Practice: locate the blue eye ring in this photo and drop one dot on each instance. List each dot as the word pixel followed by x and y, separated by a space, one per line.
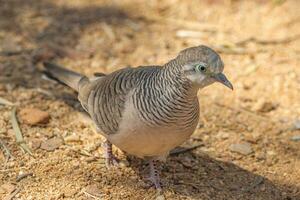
pixel 201 67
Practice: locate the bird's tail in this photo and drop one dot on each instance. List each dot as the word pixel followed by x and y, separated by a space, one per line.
pixel 63 75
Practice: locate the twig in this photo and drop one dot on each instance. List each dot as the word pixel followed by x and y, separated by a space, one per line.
pixel 109 31
pixel 6 102
pixel 7 151
pixel 186 23
pixel 216 187
pixel 268 42
pixel 90 195
pixel 292 22
pixel 257 182
pixel 251 69
pixel 285 60
pixel 45 92
pixel 180 150
pixel 19 137
pixel 199 186
pixel 7 170
pixel 14 53
pixel 188 34
pixel 241 109
pixel 194 185
pixel 82 152
pixel 235 50
pixel 22 176
pixel 248 112
pixel 12 195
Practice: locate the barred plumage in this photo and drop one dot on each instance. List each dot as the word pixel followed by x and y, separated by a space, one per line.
pixel 147 111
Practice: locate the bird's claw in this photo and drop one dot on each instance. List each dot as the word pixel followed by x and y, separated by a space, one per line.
pixel 153 182
pixel 111 161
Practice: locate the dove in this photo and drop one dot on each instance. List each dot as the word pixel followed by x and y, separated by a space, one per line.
pixel 146 111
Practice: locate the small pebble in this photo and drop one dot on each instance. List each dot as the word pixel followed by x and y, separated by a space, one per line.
pixel 223 135
pixel 264 106
pixel 296 125
pixel 35 144
pixel 3 130
pixel 242 148
pixel 261 156
pixel 23 175
pixel 51 144
pixel 295 138
pixel 124 163
pixel 252 137
pixel 91 159
pixel 271 153
pixel 7 188
pixel 33 116
pixel 93 190
pixel 72 138
pixel 160 197
pixel 69 192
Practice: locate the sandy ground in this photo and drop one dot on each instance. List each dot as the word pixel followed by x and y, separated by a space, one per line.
pixel 259 43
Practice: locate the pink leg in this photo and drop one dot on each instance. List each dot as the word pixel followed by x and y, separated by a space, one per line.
pixel 154 175
pixel 110 159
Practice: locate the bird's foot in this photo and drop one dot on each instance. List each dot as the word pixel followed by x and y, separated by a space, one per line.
pixel 154 175
pixel 153 183
pixel 110 159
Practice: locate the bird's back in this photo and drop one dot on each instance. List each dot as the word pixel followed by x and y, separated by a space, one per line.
pixel 104 98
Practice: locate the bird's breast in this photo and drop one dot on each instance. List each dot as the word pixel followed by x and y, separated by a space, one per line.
pixel 139 136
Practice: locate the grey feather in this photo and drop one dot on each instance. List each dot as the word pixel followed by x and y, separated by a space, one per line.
pixel 159 97
pixel 66 76
pixel 148 110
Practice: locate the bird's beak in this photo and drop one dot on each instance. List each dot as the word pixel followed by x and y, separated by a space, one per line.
pixel 221 78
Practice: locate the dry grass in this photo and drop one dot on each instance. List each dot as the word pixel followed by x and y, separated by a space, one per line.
pixel 259 43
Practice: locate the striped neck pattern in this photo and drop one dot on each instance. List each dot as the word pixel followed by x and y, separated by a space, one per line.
pixel 166 98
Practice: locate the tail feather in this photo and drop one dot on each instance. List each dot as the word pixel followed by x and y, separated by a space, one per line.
pixel 63 75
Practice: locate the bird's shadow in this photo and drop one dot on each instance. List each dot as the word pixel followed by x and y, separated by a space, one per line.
pixel 63 28
pixel 64 22
pixel 199 176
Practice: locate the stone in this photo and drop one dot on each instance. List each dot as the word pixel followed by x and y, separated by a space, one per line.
pixel 51 144
pixel 241 148
pixel 295 138
pixel 7 188
pixel 36 143
pixel 69 192
pixel 72 138
pixel 296 125
pixel 264 106
pixel 10 44
pixel 261 156
pixel 93 190
pixel 34 116
pixel 222 135
pixel 251 138
pixel 160 197
pixel 271 153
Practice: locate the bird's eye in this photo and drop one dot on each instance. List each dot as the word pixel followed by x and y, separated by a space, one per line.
pixel 201 67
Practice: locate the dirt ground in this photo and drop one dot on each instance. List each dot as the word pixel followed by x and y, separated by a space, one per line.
pixel 259 42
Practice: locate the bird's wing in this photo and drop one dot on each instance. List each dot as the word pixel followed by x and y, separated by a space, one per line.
pixel 104 98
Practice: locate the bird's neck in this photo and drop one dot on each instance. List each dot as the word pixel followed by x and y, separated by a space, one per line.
pixel 171 99
pixel 177 81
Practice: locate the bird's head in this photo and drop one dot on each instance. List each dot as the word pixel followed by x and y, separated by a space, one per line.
pixel 202 66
